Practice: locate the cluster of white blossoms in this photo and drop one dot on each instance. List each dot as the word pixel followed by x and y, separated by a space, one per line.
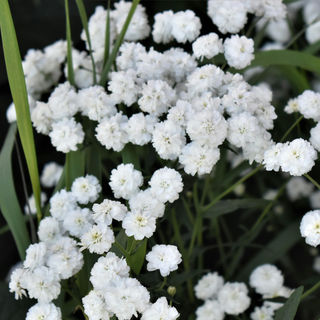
pixel 310 227
pixel 268 280
pixel 220 298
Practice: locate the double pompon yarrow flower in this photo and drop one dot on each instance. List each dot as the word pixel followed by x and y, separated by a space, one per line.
pixel 129 231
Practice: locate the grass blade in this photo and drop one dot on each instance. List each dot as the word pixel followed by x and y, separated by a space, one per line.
pixel 118 43
pixel 107 38
pixel 20 97
pixel 75 166
pixel 84 20
pixel 9 204
pixel 69 46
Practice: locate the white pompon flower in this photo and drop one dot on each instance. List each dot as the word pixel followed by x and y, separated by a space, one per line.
pixel 14 284
pixel 292 106
pixel 310 227
pixel 160 310
pixel 95 306
pixel 185 26
pixel 139 224
pixel 238 51
pixel 315 137
pixel 44 311
pixel 271 157
pixel 207 46
pixel 51 174
pixel 309 105
pixel 35 256
pixel 210 310
pixel 166 184
pixel 297 157
pixel 262 313
pixel 86 189
pixel 266 279
pixel 66 134
pixel 78 222
pixel 209 286
pixel 162 28
pixel 233 298
pixel 49 229
pixel 108 210
pixel 125 181
pixel 126 298
pixel 98 239
pixel 164 258
pixel 61 203
pixel 107 269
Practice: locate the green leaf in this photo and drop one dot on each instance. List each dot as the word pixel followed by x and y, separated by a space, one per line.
pixel 135 261
pixel 9 203
pixel 69 46
pixel 227 206
pixel 107 37
pixel 312 49
pixel 297 80
pixel 20 98
pixel 93 161
pixel 289 309
pixel 129 155
pixel 278 247
pixel 84 20
pixel 121 238
pixel 184 277
pixel 118 43
pixel 75 166
pixel 287 57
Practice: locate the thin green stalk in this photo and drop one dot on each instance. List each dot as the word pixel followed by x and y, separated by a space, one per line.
pixel 77 300
pixel 312 180
pixel 69 46
pixel 84 21
pixel 252 26
pixel 107 38
pixel 220 244
pixel 205 190
pixel 314 288
pixel 185 258
pixel 163 284
pixel 117 45
pixel 291 128
pixel 33 229
pixel 247 176
pixel 186 206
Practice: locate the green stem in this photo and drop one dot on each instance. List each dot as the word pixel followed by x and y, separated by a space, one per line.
pixel 313 181
pixel 205 190
pixel 163 284
pixel 314 288
pixel 220 244
pixel 183 253
pixel 119 246
pixel 291 128
pixel 253 25
pixel 186 206
pixel 77 300
pixel 69 46
pixel 247 176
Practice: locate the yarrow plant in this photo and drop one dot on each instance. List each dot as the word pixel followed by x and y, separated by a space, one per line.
pixel 175 133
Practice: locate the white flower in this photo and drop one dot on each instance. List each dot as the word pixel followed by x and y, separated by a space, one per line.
pixel 111 132
pixel 14 284
pixel 210 310
pixel 162 28
pixel 207 46
pixel 35 256
pixel 185 26
pixel 144 201
pixel 292 106
pixel 160 310
pixel 228 16
pixel 130 54
pixel 126 297
pixel 266 279
pixel 310 227
pixel 125 181
pixel 44 311
pixel 49 229
pixel 312 33
pixel 238 51
pixel 233 298
pixel 164 258
pixel 95 306
pixel 209 286
pixel 166 184
pixel 197 159
pixel 298 157
pixel 299 187
pixel 107 269
pixel 42 284
pixel 98 239
pixel 262 313
pixel 32 203
pixel 66 134
pixel 61 203
pixel 271 157
pixel 86 189
pixel 309 105
pixel 108 210
pixel 315 199
pixel 314 139
pixel 139 224
pixel 51 174
pixel 168 139
pixel 78 222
